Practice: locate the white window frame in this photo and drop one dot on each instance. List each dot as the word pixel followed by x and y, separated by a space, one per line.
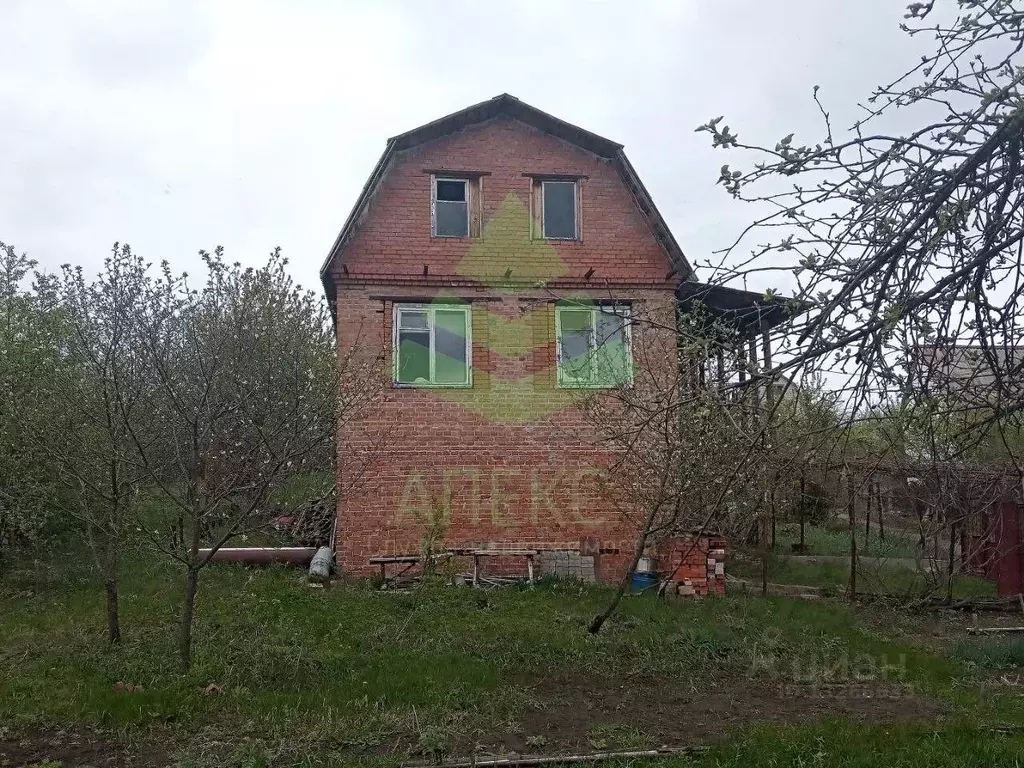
pixel 430 309
pixel 621 310
pixel 575 208
pixel 434 201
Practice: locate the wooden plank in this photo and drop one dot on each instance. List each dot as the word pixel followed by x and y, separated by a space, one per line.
pixel 504 552
pixel 993 630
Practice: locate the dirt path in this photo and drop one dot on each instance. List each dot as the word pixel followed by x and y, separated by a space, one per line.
pixel 572 709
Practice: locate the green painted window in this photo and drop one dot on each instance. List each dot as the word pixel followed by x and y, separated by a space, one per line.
pixel 594 345
pixel 432 344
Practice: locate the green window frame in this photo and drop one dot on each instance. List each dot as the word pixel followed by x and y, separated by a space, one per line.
pixel 594 345
pixel 433 345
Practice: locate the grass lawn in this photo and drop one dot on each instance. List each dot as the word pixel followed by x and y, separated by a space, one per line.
pixel 834 539
pixel 835 577
pixel 352 675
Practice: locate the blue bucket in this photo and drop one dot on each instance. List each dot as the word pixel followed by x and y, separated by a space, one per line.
pixel 640 581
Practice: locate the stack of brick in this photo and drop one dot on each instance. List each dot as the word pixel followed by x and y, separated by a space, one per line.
pixel 693 565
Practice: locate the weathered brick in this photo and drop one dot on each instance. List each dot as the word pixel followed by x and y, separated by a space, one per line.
pixel 511 460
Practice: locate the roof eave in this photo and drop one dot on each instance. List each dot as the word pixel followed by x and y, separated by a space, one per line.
pixel 650 211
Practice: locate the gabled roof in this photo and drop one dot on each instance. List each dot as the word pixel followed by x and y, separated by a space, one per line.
pixel 510 106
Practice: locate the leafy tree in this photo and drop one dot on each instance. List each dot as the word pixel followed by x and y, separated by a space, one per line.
pixel 29 341
pixel 95 399
pixel 243 390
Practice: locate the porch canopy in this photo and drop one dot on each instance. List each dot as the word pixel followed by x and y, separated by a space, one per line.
pixel 748 312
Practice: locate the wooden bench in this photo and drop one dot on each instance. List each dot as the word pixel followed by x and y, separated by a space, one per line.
pixel 529 554
pixel 409 561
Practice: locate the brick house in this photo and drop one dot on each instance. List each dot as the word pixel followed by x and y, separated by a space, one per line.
pixel 495 258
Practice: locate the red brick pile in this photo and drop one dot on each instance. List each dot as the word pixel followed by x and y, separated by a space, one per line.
pixel 694 566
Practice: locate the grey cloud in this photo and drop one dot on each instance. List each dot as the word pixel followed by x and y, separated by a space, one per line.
pixel 251 124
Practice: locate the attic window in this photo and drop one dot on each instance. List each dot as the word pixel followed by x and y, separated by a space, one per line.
pixel 451 207
pixel 559 210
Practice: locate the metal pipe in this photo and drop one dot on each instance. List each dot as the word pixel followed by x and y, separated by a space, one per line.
pixel 261 555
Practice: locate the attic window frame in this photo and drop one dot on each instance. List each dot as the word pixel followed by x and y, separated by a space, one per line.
pixel 468 186
pixel 537 184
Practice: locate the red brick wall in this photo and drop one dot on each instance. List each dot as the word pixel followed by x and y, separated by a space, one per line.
pixel 394 238
pixel 509 462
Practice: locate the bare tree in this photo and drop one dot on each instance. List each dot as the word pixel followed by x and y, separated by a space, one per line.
pixel 688 443
pixel 906 240
pixel 906 231
pixel 245 395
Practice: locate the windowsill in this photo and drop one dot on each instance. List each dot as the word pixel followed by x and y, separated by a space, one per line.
pixel 402 385
pixel 452 237
pixel 572 385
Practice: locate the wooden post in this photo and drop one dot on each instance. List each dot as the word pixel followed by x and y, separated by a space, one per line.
pixel 769 398
pixel 754 423
pixel 952 564
pixel 851 510
pixel 867 512
pixel 881 515
pixel 803 511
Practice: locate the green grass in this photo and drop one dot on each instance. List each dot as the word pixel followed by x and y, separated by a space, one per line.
pixel 992 652
pixel 352 671
pixel 835 577
pixel 835 540
pixel 844 745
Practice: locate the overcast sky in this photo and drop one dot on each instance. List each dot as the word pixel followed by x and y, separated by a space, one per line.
pixel 182 125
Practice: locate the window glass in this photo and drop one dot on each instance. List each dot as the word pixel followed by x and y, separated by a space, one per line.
pixel 451 190
pixel 612 353
pixel 559 217
pixel 451 208
pixel 432 345
pixel 414 357
pixel 576 327
pixel 594 346
pixel 413 319
pixel 450 346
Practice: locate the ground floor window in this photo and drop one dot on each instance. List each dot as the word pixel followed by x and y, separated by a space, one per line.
pixel 594 345
pixel 432 345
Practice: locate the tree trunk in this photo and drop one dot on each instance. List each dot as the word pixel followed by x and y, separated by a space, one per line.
pixel 113 612
pixel 187 613
pixel 638 551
